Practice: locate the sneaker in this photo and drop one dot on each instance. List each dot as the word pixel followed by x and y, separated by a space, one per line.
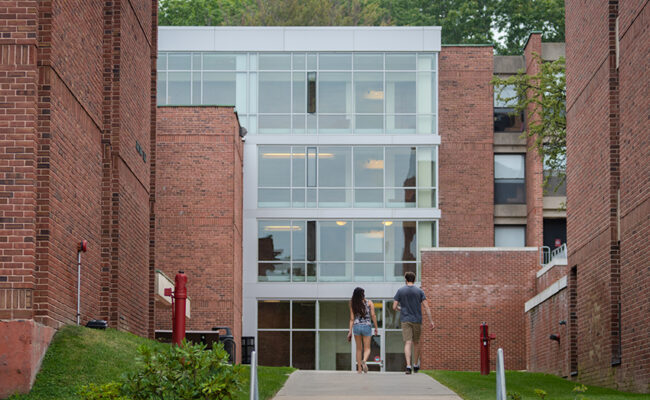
pixel 416 368
pixel 408 370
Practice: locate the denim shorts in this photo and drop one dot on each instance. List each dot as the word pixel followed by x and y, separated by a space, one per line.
pixel 362 330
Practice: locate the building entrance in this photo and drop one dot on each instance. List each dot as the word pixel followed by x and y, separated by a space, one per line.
pixel 386 349
pixel 311 334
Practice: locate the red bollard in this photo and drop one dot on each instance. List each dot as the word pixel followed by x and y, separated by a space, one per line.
pixel 178 314
pixel 485 349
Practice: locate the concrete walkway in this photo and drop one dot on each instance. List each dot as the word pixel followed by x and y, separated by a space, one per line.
pixel 330 385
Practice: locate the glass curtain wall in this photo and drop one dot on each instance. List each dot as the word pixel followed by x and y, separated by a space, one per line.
pixel 309 334
pixel 341 251
pixel 308 93
pixel 345 177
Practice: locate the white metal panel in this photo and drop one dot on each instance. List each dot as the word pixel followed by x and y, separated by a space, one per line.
pixel 238 38
pixel 364 140
pixel 185 38
pixel 345 213
pixel 319 39
pixel 256 38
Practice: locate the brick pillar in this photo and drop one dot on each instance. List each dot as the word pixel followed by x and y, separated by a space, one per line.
pixel 534 163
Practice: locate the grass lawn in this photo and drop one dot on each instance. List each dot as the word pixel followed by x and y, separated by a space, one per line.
pixel 473 386
pixel 78 356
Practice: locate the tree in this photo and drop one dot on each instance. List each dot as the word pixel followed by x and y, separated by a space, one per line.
pixel 203 12
pixel 517 18
pixel 462 21
pixel 543 97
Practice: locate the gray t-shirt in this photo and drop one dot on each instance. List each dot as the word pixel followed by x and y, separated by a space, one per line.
pixel 410 299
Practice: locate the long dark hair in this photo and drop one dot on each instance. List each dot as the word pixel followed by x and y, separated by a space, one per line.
pixel 357 302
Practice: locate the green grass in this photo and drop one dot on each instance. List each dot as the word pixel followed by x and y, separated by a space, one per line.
pixel 271 380
pixel 473 386
pixel 78 356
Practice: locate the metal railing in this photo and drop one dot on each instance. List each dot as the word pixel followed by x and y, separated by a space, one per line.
pixel 560 252
pixel 546 255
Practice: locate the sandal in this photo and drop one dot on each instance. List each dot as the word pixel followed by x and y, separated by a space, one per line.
pixel 365 367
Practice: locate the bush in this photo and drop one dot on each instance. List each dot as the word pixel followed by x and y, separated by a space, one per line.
pixel 181 372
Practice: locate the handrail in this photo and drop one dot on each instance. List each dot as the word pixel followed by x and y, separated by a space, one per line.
pixel 544 255
pixel 559 252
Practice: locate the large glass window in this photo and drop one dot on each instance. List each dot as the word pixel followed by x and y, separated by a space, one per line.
pixel 509 179
pixel 314 337
pixel 308 93
pixel 341 251
pixel 343 177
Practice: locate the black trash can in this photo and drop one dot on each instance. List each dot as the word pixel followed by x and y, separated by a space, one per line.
pixel 228 342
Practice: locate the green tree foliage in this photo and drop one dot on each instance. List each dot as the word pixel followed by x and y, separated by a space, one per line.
pixel 543 98
pixel 462 21
pixel 517 18
pixel 316 13
pixel 203 12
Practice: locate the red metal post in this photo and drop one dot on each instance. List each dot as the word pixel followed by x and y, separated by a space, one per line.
pixel 180 295
pixel 485 349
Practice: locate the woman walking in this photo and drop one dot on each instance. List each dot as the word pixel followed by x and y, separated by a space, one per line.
pixel 361 311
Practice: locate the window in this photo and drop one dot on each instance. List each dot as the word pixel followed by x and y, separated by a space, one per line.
pixel 308 93
pixel 509 179
pixel 505 119
pixel 344 177
pixel 341 251
pixel 510 236
pixel 312 334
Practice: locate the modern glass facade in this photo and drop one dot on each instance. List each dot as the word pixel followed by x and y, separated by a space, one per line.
pixel 340 173
pixel 310 334
pixel 308 93
pixel 341 251
pixel 347 176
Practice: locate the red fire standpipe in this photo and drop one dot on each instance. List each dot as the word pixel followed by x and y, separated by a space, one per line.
pixel 180 295
pixel 81 248
pixel 485 349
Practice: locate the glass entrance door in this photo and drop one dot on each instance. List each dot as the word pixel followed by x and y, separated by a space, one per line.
pixel 386 349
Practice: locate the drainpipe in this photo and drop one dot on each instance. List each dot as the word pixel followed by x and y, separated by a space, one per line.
pixel 81 248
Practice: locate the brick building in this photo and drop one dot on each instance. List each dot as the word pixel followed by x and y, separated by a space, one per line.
pixel 608 198
pixel 356 159
pixel 77 124
pixel 199 213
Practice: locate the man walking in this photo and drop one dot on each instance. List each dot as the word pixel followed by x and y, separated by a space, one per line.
pixel 409 299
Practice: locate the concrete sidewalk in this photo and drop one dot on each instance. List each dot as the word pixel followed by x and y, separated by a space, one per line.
pixel 330 385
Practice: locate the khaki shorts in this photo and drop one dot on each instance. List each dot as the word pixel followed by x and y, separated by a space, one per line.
pixel 411 331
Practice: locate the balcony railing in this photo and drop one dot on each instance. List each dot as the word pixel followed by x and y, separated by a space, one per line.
pixel 546 255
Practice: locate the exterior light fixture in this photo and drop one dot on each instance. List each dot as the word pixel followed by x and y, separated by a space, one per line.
pixel 387 223
pixel 341 223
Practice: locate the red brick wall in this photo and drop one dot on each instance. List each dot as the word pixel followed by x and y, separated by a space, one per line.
pixel 534 169
pixel 466 287
pixel 634 36
pixel 546 355
pixel 18 147
pixel 466 131
pixel 607 152
pixel 199 212
pixel 74 101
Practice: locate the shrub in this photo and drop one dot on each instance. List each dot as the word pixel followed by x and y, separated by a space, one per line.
pixel 183 372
